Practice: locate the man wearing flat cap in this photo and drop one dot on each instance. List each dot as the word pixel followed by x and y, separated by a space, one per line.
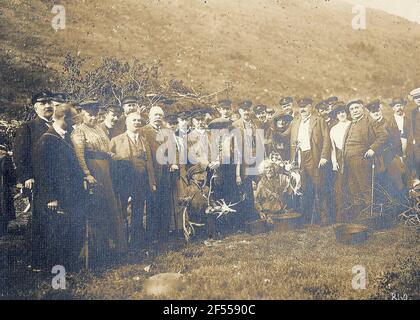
pixel 27 137
pixel 262 122
pixel 310 142
pixel 58 98
pixel 404 124
pixel 129 104
pixel 363 140
pixel 324 108
pixel 111 119
pixel 390 166
pixel 415 123
pixel 224 107
pixel 249 152
pixel 286 105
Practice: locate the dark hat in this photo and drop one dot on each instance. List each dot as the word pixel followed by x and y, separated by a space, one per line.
pixel 42 96
pixel 397 101
pixel 246 104
pixel 353 101
pixel 285 100
pixel 338 106
pixel 90 105
pixel 167 101
pixel 282 116
pixel 130 99
pixel 171 118
pixel 114 108
pixel 225 103
pixel 59 97
pixel 322 105
pixel 304 102
pixel 198 114
pixel 373 106
pixel 331 100
pixel 261 108
pixel 220 123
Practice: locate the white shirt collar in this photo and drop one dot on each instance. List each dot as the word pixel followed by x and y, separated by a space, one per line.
pixel 59 130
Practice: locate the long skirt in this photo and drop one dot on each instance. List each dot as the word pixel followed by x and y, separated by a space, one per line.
pixel 106 224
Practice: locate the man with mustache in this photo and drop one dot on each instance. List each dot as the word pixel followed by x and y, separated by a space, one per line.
pixel 27 169
pixel 128 104
pixel 363 140
pixel 404 124
pixel 62 199
pixel 310 141
pixel 161 203
pixel 415 135
pixel 249 152
pixel 135 176
pixel 390 171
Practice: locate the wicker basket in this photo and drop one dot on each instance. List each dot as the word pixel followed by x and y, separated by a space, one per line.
pixel 351 233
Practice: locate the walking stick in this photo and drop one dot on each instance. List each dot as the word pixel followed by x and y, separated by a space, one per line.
pixel 87 245
pixel 372 187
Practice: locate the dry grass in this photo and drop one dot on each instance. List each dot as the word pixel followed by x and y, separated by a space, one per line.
pixel 303 264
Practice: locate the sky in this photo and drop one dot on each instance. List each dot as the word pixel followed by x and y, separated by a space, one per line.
pixel 408 9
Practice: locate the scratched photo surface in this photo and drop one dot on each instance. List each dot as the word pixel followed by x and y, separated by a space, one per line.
pixel 192 149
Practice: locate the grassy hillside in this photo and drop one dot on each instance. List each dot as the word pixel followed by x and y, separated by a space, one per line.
pixel 265 48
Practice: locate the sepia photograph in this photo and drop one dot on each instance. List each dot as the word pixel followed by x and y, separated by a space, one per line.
pixel 228 151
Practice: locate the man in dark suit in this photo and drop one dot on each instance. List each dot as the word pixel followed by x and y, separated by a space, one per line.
pixel 27 169
pixel 309 139
pixel 61 197
pixel 161 203
pixel 129 104
pixel 112 115
pixel 363 141
pixel 390 170
pixel 415 135
pixel 134 174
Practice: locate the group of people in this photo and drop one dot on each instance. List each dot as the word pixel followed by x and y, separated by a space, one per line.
pixel 107 180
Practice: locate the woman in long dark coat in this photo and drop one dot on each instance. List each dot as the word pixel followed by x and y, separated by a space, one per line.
pixel 107 233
